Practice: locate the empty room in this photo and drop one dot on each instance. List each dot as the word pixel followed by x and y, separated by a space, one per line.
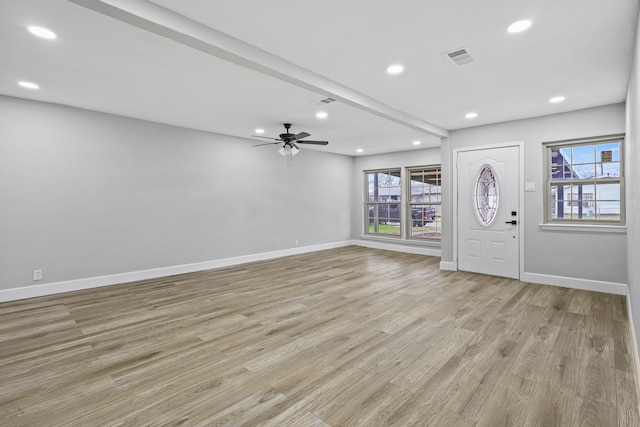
pixel 281 213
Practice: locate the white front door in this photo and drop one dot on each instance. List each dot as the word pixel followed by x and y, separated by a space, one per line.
pixel 488 215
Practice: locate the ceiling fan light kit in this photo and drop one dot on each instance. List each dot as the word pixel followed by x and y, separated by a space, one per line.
pixel 288 150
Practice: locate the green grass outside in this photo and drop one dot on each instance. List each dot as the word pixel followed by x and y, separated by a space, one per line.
pixel 385 229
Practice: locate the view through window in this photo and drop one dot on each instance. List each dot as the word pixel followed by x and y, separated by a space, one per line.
pixel 426 202
pixel 585 181
pixel 386 212
pixel 384 195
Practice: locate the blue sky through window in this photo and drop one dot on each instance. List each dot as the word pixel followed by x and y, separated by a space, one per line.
pixel 586 160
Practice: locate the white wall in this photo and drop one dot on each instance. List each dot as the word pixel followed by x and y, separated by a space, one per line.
pixel 85 194
pixel 632 163
pixel 596 257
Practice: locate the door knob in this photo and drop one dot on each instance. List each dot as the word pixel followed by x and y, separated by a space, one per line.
pixel 514 222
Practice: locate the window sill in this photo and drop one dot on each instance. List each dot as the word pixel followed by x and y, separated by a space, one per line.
pixel 399 240
pixel 585 228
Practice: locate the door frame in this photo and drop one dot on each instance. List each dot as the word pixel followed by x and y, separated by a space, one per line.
pixel 521 212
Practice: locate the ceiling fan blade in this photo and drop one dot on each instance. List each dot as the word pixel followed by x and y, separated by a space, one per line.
pixel 302 135
pixel 294 144
pixel 313 142
pixel 266 143
pixel 266 137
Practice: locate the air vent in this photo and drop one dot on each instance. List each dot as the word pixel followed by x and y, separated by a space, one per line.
pixel 323 101
pixel 459 56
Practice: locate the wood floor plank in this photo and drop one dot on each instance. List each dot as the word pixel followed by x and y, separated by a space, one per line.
pixel 551 406
pixel 347 336
pixel 597 379
pixel 626 398
pixel 509 404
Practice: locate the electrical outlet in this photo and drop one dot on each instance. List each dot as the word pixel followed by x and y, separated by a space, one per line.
pixel 37 274
pixel 296 242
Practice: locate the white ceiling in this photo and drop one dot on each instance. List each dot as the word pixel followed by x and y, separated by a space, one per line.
pixel 132 58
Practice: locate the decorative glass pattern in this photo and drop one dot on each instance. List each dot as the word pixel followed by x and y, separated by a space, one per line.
pixel 486 196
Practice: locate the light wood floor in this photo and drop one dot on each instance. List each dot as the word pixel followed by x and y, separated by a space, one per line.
pixel 339 337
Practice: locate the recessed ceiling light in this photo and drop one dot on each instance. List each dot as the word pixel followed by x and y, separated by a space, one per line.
pixel 42 32
pixel 471 115
pixel 557 99
pixel 519 26
pixel 28 85
pixel 259 130
pixel 359 150
pixel 395 69
pixel 416 143
pixel 321 115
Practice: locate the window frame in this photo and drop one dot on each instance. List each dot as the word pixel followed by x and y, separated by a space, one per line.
pixel 399 202
pixel 410 204
pixel 550 182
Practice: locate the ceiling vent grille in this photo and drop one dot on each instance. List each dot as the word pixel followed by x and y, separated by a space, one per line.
pixel 324 101
pixel 459 56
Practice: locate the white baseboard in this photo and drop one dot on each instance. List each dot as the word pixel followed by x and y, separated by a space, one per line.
pixel 634 345
pixel 409 249
pixel 575 283
pixel 448 265
pixel 114 279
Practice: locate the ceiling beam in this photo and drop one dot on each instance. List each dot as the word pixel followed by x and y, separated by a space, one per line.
pixel 169 24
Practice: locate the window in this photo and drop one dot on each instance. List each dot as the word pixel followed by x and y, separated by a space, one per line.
pixel 384 197
pixel 487 196
pixel 404 203
pixel 585 181
pixel 425 203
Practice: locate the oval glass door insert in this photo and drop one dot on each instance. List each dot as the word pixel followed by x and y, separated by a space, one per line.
pixel 486 196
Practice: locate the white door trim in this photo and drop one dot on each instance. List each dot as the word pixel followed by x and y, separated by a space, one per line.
pixel 521 211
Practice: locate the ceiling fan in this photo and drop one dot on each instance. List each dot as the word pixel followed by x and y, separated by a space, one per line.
pixel 289 141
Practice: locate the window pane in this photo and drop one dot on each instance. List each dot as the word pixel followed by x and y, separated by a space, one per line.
pixel 384 194
pixel 394 213
pixel 417 177
pixel 383 187
pixel 486 195
pixel 560 165
pixel 570 211
pixel 560 160
pixel 425 186
pixel 608 192
pixel 612 147
pixel 560 156
pixel 383 179
pixel 583 154
pixel 426 221
pixel 553 197
pixel 394 193
pixel 587 195
pixel 383 219
pixel 561 201
pixel 383 212
pixel 608 211
pixel 436 196
pixel 584 171
pixel 608 170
